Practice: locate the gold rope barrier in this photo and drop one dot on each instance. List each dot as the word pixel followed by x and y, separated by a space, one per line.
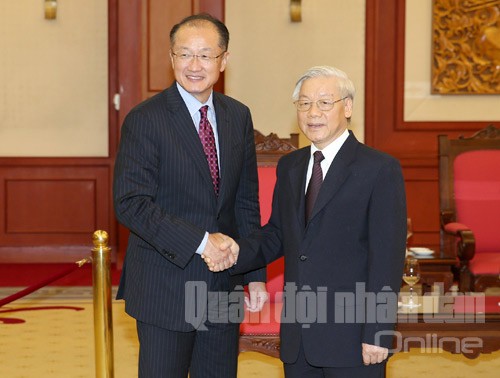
pixel 103 319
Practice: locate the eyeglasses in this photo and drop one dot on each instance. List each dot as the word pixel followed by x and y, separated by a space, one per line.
pixel 206 59
pixel 323 105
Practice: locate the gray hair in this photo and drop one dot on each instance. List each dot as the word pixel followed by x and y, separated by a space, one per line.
pixel 345 85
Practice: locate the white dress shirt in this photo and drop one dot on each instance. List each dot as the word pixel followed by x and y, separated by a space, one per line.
pixel 329 152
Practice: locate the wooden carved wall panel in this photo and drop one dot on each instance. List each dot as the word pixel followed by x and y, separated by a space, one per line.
pixel 466 47
pixel 49 206
pixel 50 211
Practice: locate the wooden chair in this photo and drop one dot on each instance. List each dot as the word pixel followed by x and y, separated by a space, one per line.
pixel 259 332
pixel 469 187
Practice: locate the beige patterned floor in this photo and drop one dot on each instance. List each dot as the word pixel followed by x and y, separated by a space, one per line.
pixel 59 344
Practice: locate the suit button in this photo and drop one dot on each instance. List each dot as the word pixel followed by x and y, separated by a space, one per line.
pixel 302 257
pixel 171 255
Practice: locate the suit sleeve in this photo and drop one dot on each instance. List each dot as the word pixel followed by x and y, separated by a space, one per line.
pixel 135 185
pixel 264 245
pixel 247 208
pixel 387 244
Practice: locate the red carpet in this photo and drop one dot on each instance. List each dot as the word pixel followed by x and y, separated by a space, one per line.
pixel 31 274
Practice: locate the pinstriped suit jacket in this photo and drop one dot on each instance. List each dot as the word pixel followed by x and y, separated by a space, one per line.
pixel 163 194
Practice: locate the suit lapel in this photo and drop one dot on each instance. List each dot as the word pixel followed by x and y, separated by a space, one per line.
pixel 297 175
pixel 225 138
pixel 183 125
pixel 337 174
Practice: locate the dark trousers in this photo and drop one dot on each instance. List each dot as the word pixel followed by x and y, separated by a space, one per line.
pixel 204 354
pixel 302 369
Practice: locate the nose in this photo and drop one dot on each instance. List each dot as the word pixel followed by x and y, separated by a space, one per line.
pixel 314 110
pixel 195 63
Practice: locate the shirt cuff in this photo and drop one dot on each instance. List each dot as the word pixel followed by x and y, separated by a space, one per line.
pixel 202 245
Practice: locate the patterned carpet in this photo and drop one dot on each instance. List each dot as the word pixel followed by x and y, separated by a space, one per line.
pixel 59 343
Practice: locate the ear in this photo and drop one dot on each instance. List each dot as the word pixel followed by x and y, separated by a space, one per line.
pixel 171 58
pixel 223 61
pixel 348 107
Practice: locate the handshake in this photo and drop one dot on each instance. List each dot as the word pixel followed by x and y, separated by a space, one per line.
pixel 220 253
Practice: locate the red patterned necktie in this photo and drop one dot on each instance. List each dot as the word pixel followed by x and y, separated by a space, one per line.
pixel 208 141
pixel 314 184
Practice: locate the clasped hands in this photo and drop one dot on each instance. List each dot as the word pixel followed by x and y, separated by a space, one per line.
pixel 220 253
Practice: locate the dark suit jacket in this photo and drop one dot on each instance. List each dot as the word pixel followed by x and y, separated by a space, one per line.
pixel 357 234
pixel 163 193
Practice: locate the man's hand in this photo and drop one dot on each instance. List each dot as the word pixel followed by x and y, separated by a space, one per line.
pixel 221 252
pixel 373 354
pixel 258 296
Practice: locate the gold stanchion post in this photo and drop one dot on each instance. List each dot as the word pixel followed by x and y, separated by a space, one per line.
pixel 103 319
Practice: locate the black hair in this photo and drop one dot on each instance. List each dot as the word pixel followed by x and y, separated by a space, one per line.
pixel 197 19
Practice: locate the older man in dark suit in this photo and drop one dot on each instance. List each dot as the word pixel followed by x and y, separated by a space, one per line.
pixel 185 175
pixel 339 219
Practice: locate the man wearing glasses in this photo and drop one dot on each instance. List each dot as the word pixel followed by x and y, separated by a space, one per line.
pixel 339 219
pixel 185 177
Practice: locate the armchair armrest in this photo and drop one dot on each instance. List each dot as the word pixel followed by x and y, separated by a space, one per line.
pixel 446 216
pixel 466 243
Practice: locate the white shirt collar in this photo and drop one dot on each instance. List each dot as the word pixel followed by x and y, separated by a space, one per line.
pixel 330 151
pixel 192 102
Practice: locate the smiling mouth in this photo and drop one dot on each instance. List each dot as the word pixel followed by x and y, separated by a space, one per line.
pixel 195 77
pixel 314 125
